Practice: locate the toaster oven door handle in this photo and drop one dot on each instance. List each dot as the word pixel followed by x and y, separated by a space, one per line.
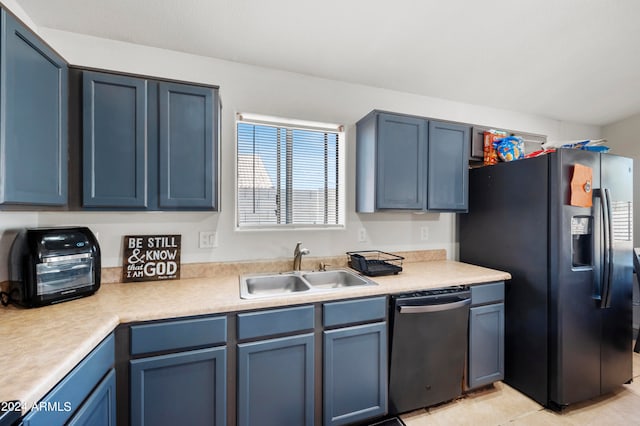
pixel 66 258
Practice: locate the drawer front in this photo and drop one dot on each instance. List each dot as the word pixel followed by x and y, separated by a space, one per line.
pixel 69 394
pixel 487 293
pixel 180 334
pixel 354 311
pixel 275 321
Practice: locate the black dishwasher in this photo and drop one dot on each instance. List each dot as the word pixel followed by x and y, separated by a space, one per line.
pixel 428 343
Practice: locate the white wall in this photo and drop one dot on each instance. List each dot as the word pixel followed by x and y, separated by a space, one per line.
pixel 624 139
pixel 246 88
pixel 17 10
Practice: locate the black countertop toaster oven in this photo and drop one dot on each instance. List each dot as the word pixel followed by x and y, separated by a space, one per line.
pixel 50 265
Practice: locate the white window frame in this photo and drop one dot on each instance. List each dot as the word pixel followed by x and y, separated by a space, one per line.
pixel 259 119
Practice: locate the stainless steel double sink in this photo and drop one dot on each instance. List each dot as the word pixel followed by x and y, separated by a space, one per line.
pixel 275 285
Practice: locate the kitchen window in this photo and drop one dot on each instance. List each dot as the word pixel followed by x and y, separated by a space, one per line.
pixel 622 220
pixel 290 173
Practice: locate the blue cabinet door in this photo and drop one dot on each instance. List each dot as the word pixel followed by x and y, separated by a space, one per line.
pixel 68 395
pixel 188 147
pixel 486 345
pixel 33 104
pixel 355 373
pixel 275 382
pixel 149 145
pixel 401 162
pixel 100 408
pixel 448 167
pixel 187 388
pixel 114 141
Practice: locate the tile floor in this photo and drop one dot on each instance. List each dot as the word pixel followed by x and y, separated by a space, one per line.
pixel 501 405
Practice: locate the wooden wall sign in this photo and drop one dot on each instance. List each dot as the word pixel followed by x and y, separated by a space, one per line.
pixel 151 258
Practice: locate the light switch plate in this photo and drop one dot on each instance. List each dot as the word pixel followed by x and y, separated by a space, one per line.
pixel 208 239
pixel 424 233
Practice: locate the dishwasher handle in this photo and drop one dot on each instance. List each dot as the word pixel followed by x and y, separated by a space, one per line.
pixel 409 309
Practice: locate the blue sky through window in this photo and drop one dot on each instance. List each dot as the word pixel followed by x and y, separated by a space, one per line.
pixel 308 162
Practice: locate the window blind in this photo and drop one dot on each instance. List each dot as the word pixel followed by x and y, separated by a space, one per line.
pixel 287 175
pixel 622 220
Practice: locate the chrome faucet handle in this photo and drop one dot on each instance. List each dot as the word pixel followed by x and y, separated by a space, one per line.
pixel 299 250
pixel 323 266
pixel 297 256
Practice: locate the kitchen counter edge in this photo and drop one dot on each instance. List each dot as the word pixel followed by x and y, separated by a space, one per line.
pixel 68 332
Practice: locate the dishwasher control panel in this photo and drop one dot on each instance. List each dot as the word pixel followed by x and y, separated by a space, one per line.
pixel 460 290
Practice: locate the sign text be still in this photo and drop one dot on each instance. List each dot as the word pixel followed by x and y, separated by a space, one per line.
pixel 151 257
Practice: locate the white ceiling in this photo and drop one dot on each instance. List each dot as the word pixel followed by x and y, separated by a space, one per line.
pixel 574 60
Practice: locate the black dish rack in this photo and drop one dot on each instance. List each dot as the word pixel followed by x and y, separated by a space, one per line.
pixel 374 263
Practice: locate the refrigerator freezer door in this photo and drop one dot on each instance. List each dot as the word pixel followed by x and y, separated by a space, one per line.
pixel 574 314
pixel 617 316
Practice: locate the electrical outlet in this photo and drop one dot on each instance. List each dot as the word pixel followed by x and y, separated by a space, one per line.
pixel 362 235
pixel 424 233
pixel 208 239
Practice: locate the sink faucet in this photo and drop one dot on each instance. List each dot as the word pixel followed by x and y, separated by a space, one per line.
pixel 297 256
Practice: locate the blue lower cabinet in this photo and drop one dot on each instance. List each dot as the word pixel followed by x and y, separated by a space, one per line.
pixel 187 388
pixel 276 382
pixel 486 345
pixel 83 389
pixel 100 408
pixel 355 373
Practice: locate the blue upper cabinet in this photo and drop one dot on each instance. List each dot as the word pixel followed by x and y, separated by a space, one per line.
pixel 410 163
pixel 401 149
pixel 448 178
pixel 188 148
pixel 33 109
pixel 115 141
pixel 148 145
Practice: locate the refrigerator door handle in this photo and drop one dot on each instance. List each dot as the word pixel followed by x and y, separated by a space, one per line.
pixel 607 274
pixel 604 195
pixel 602 289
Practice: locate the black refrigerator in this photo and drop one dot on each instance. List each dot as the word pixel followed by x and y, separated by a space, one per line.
pixel 568 306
